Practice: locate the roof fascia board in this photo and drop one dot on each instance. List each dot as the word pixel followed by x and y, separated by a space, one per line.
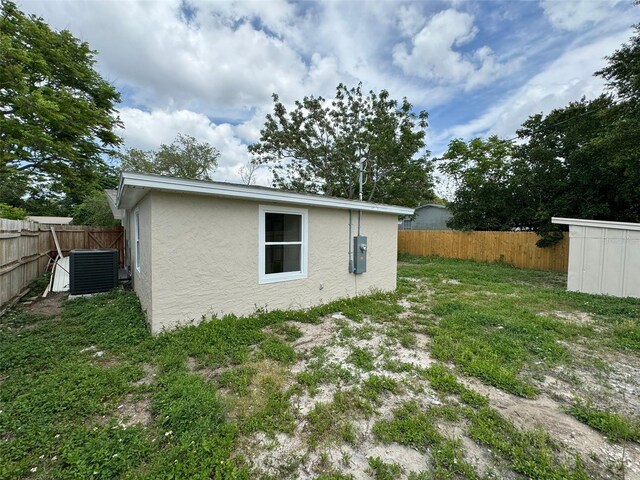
pixel 243 192
pixel 578 222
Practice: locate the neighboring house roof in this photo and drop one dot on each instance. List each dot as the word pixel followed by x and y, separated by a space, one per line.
pixel 50 220
pixel 437 205
pixel 133 186
pixel 112 196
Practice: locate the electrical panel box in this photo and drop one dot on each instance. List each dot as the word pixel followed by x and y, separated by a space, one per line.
pixel 359 254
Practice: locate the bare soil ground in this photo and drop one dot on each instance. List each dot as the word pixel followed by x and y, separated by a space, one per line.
pixel 295 456
pixel 49 306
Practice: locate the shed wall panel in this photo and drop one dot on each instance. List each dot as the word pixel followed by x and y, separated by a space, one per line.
pixel 576 258
pixel 632 265
pixel 604 261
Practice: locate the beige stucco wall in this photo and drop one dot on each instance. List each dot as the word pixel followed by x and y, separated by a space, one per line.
pixel 142 278
pixel 205 259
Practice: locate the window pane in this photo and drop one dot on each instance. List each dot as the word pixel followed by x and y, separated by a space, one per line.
pixel 282 258
pixel 281 227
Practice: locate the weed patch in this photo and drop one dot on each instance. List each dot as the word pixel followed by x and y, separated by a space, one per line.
pixel 616 427
pixel 383 471
pixel 531 453
pixel 276 349
pixel 416 428
pixel 361 358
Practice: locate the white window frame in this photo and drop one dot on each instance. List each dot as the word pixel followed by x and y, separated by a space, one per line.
pixel 283 276
pixel 136 234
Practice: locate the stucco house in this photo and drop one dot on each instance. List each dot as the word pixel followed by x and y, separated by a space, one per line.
pixel 431 216
pixel 198 248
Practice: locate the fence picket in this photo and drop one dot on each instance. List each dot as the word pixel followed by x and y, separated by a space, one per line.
pixel 515 248
pixel 25 249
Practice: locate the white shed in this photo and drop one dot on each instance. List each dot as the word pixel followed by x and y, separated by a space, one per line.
pixel 604 257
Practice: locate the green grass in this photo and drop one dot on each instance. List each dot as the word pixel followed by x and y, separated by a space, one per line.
pixel 361 358
pixel 497 320
pixel 416 428
pixel 444 381
pixel 331 421
pixel 59 403
pixel 320 371
pixel 531 453
pixel 614 426
pixel 383 471
pixel 277 349
pixel 289 332
pixel 238 380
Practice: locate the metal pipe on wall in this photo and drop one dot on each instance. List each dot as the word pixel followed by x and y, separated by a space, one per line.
pixel 350 240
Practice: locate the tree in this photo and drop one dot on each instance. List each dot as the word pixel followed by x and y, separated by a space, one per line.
pixel 247 173
pixel 622 132
pixel 57 114
pixel 623 71
pixel 561 167
pixel 94 211
pixel 184 158
pixel 319 147
pixel 580 161
pixel 482 171
pixel 12 213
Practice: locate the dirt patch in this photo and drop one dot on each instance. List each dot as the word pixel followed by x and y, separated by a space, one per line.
pixel 579 318
pixel 134 411
pixel 315 334
pixel 407 458
pixel 49 306
pixel 610 380
pixel 149 376
pixel 406 304
pixel 290 456
pixel 544 412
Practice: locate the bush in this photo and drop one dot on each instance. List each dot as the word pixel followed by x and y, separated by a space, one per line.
pixel 12 213
pixel 95 212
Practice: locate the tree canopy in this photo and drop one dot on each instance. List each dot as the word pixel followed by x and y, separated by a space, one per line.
pixel 94 211
pixel 57 114
pixel 319 146
pixel 582 160
pixel 185 157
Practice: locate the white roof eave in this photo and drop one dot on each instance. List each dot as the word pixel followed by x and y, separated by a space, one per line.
pixel 135 181
pixel 579 222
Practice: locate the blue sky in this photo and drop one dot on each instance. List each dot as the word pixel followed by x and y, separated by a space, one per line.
pixel 209 68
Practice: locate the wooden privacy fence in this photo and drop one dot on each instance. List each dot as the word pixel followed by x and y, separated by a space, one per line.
pixel 26 247
pixel 515 248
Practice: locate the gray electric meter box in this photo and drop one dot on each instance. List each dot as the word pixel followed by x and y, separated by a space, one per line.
pixel 359 254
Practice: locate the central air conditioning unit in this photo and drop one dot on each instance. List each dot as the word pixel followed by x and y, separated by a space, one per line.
pixel 93 271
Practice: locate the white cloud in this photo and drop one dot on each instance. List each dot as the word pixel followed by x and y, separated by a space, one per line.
pixel 211 73
pixel 148 130
pixel 568 78
pixel 410 19
pixel 433 54
pixel 574 14
pixel 217 63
